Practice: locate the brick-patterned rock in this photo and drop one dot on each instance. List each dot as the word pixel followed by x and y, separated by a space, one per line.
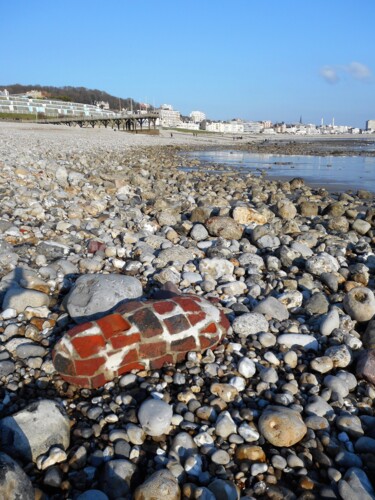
pixel 137 336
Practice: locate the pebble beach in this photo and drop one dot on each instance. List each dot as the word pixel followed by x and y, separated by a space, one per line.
pixel 281 408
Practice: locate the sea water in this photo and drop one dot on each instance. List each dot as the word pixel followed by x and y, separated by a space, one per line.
pixel 331 172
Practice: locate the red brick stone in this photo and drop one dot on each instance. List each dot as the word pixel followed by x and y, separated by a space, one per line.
pixel 98 380
pixel 147 323
pixel 211 328
pixel 196 318
pixel 126 368
pixel 79 328
pixel 205 342
pixel 112 324
pixel 120 341
pixel 89 345
pixel 224 322
pixel 157 363
pixel 184 345
pixel 164 307
pixel 129 307
pixel 152 349
pixel 176 324
pixel 130 357
pixel 188 304
pixel 180 356
pixel 88 366
pixel 79 381
pixel 63 364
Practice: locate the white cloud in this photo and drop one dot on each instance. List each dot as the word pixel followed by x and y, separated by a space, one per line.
pixel 329 73
pixel 358 71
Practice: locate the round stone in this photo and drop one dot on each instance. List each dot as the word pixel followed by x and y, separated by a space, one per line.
pixel 359 303
pixel 161 484
pixel 246 367
pixel 281 426
pixel 155 417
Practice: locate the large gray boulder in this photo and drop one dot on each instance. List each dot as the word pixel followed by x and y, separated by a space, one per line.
pixel 35 429
pixel 95 295
pixel 14 484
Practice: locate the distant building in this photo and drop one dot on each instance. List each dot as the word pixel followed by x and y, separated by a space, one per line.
pixel 24 104
pixel 4 93
pixel 370 125
pixel 35 94
pixel 188 125
pixel 102 104
pixel 252 127
pixel 197 116
pixel 168 116
pixel 233 127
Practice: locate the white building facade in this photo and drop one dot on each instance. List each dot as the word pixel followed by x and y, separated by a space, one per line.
pixel 197 116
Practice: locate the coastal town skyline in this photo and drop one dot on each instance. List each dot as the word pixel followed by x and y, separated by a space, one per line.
pixel 257 62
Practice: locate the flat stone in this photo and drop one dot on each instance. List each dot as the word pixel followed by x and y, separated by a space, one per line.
pixel 95 295
pixel 32 431
pixel 298 339
pixel 250 324
pixel 20 298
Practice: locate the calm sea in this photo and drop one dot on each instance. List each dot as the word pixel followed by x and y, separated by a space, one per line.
pixel 332 172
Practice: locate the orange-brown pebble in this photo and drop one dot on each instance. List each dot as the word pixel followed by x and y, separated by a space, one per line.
pixel 249 452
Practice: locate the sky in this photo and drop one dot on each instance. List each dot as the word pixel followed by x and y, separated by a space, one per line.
pixel 256 60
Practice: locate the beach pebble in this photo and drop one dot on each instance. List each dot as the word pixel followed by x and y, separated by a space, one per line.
pixel 272 308
pixel 321 263
pixel 330 322
pixel 359 303
pixel 94 295
pixel 32 431
pixel 161 484
pixel 225 425
pixel 155 417
pixel 281 426
pixel 356 484
pixel 224 490
pixel 250 324
pixel 14 483
pixel 225 227
pixel 297 339
pixel 116 478
pixel 246 367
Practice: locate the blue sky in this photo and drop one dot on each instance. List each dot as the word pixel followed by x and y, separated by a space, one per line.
pixel 246 59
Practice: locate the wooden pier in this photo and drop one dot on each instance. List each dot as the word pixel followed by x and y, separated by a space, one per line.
pixel 129 123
